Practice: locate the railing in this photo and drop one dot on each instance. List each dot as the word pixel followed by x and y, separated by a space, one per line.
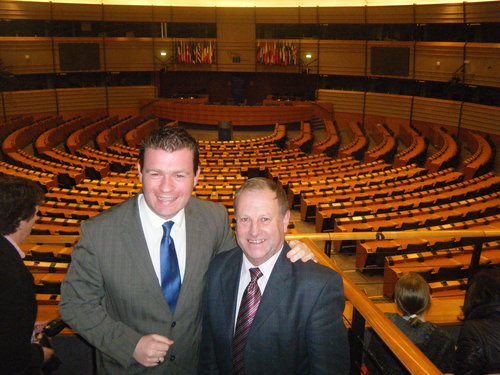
pixel 365 311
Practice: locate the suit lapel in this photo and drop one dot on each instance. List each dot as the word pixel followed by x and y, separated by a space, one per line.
pixel 134 244
pixel 195 258
pixel 229 282
pixel 275 289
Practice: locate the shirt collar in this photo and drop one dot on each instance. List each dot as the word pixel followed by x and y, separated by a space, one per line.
pixel 21 253
pixel 266 268
pixel 155 220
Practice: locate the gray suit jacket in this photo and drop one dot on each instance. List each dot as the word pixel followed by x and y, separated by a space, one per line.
pixel 112 296
pixel 298 327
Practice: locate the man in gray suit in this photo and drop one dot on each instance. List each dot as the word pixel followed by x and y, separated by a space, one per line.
pixel 113 293
pixel 294 325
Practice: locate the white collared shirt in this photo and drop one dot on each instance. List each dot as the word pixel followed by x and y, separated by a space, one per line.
pixel 21 253
pixel 266 268
pixel 153 231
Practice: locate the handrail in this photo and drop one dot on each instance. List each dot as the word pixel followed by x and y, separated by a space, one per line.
pixel 409 355
pixel 424 232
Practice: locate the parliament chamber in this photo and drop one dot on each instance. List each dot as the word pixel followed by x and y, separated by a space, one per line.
pixel 386 171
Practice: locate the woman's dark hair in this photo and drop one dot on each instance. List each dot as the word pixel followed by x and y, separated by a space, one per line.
pixel 484 288
pixel 19 198
pixel 412 295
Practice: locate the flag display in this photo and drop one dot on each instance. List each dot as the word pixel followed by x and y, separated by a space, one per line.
pixel 195 52
pixel 276 53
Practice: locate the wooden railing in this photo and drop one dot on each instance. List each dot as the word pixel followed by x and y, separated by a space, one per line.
pixel 238 115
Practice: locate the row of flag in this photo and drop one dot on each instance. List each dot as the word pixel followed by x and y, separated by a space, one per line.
pixel 268 53
pixel 277 53
pixel 191 52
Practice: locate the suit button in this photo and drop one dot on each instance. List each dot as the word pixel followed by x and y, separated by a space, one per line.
pixel 173 324
pixel 172 358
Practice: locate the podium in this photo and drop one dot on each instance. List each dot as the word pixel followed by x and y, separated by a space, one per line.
pixel 225 130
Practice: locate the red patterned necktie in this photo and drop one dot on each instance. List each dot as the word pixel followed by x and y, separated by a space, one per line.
pixel 248 308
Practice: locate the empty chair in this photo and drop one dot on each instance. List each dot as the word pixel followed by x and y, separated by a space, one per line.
pixel 490 211
pixel 63 257
pixel 405 207
pixel 471 215
pixel 366 229
pixel 54 214
pixel 362 212
pixel 458 197
pixel 42 256
pixel 427 274
pixel 90 202
pixel 432 221
pixel 424 204
pixel 387 228
pixel 452 272
pixel 415 247
pixel 446 244
pixel 406 225
pixel 384 251
pixel 68 200
pixel 454 218
pixel 362 197
pixel 79 216
pixel 48 287
pixel 340 200
pixel 40 231
pixel 440 201
pixel 68 232
pixel 384 210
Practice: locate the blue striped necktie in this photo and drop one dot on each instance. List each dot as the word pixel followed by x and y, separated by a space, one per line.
pixel 169 266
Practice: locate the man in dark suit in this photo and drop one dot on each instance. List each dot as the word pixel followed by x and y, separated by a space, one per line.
pixel 114 292
pixel 296 327
pixel 20 354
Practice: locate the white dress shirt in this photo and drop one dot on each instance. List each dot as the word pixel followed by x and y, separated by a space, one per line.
pixel 21 253
pixel 266 268
pixel 153 231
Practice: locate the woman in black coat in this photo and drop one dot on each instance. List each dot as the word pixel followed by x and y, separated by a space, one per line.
pixel 19 353
pixel 412 297
pixel 478 346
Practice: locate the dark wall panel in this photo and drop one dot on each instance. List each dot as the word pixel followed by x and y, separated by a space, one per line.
pixel 79 56
pixel 390 61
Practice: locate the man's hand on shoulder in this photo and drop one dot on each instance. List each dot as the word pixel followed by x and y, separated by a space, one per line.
pixel 151 349
pixel 299 250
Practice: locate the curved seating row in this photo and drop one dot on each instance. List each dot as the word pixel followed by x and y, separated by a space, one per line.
pixel 416 147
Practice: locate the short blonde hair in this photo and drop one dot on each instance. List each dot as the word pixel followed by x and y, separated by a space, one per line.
pixel 261 183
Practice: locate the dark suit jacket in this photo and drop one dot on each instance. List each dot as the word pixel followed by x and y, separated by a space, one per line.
pixel 298 326
pixel 17 315
pixel 112 297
